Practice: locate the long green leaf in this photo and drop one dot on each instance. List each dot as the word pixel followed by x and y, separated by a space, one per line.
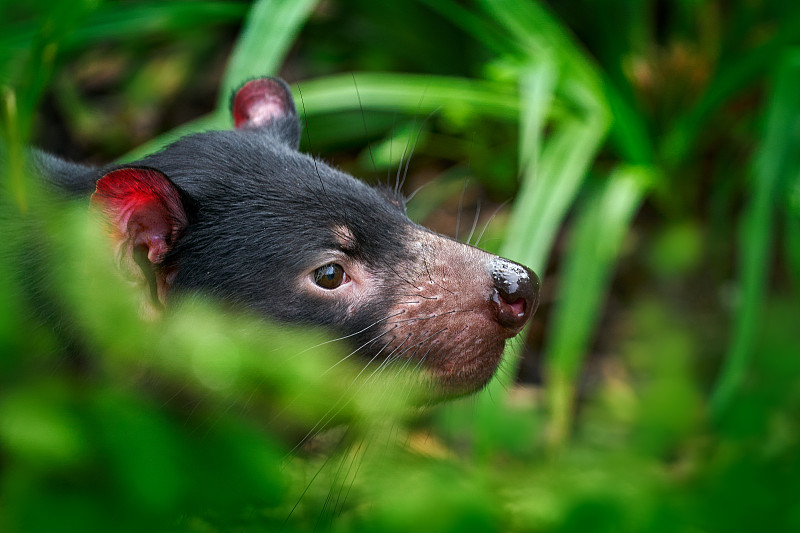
pixel 629 133
pixel 776 163
pixel 19 100
pixel 596 243
pixel 537 37
pixel 478 26
pixel 537 85
pixel 548 192
pixel 410 93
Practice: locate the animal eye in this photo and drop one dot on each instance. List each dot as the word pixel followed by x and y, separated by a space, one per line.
pixel 329 276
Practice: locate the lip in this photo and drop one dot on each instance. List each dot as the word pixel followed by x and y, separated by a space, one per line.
pixel 459 377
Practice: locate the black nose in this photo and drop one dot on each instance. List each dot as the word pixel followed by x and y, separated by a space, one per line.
pixel 516 292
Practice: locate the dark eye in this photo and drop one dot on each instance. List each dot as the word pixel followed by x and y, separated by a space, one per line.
pixel 329 276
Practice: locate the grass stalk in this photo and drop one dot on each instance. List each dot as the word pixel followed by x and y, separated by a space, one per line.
pixel 596 244
pixel 776 163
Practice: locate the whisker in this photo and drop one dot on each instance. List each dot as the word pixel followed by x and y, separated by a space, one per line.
pixel 323 422
pixel 474 221
pixel 494 214
pixel 391 146
pixel 324 419
pixel 351 334
pixel 460 207
pixel 355 459
pixel 376 355
pixel 400 354
pixel 421 318
pixel 359 348
pixel 334 481
pixel 393 271
pixel 364 120
pixel 400 163
pixel 398 185
pixel 413 194
pixel 175 395
pixel 414 147
pixel 314 160
pixel 305 491
pixel 355 476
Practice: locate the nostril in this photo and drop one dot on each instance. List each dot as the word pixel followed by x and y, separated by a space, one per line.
pixel 510 315
pixel 516 293
pixel 517 307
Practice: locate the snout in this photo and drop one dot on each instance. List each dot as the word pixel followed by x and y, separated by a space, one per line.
pixel 464 306
pixel 515 293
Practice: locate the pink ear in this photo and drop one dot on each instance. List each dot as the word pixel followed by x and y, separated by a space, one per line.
pixel 260 102
pixel 143 209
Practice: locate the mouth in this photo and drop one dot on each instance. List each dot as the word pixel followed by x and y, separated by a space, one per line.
pixel 460 351
pixel 465 372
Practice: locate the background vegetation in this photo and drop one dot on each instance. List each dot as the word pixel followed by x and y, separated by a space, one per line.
pixel 642 156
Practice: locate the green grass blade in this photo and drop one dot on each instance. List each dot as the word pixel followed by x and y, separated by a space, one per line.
pixel 24 89
pixel 550 184
pixel 537 85
pixel 12 161
pixel 629 133
pixel 268 33
pixel 411 94
pixel 596 242
pixel 531 23
pixel 548 191
pixel 776 163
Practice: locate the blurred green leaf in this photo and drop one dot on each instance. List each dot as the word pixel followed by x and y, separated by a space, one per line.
pixel 776 163
pixel 597 241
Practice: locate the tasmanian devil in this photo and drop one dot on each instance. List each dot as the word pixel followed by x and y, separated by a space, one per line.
pixel 242 216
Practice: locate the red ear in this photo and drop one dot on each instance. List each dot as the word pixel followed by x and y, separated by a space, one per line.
pixel 145 215
pixel 261 102
pixel 143 207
